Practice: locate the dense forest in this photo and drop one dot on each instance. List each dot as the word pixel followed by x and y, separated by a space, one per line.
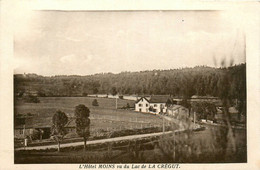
pixel 201 80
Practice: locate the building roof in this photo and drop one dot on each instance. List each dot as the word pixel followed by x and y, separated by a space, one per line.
pixel 159 99
pixel 141 99
pixel 203 97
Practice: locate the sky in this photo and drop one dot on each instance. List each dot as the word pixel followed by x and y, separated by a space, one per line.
pixel 88 42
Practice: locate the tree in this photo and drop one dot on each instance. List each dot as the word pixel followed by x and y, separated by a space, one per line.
pixel 84 94
pixel 95 102
pixel 58 131
pixel 113 91
pixel 169 102
pixel 95 90
pixel 183 82
pixel 205 110
pixel 34 134
pixel 186 104
pixel 82 122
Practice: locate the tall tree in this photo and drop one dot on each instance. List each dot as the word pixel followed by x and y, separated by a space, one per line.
pixel 59 121
pixel 113 91
pixel 82 122
pixel 204 110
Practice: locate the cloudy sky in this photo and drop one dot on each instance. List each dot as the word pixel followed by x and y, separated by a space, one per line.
pixel 82 43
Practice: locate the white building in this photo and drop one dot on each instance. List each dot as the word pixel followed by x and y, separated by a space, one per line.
pixel 155 104
pixel 142 105
pixel 178 112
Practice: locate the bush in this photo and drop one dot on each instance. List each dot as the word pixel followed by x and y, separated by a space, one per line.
pixel 34 134
pixel 84 94
pixel 126 107
pixel 95 102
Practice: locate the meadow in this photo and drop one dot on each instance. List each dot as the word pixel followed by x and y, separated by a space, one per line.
pixel 104 118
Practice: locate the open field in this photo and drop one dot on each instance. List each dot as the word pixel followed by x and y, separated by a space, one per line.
pixel 106 109
pixel 104 118
pixel 48 105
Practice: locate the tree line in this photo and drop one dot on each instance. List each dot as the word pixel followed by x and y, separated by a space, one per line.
pixel 185 82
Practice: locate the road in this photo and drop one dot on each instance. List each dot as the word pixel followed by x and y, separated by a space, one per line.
pixel 95 141
pixel 103 140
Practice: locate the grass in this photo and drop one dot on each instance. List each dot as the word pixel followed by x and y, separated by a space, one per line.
pixel 115 119
pixel 104 118
pixel 49 104
pixel 140 151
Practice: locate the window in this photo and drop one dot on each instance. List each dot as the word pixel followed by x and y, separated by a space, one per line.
pixel 140 105
pixel 155 105
pixel 146 105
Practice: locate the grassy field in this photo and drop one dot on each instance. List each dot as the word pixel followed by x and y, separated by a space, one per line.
pixel 104 117
pixel 48 105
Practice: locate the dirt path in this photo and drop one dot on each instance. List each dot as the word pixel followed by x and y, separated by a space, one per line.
pixel 102 140
pixel 94 141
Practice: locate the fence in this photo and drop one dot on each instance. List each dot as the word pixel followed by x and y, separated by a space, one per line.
pixel 122 123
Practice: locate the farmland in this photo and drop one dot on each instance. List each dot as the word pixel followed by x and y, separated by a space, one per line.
pixel 104 118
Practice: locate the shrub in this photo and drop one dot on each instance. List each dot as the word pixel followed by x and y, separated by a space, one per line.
pixel 34 134
pixel 95 102
pixel 84 94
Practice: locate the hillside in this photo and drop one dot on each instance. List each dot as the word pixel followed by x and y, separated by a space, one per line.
pixel 183 82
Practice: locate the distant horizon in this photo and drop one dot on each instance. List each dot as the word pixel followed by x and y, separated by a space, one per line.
pixel 217 67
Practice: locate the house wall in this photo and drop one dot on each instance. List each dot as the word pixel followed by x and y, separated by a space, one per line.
pixel 179 113
pixel 158 106
pixel 173 113
pixel 142 106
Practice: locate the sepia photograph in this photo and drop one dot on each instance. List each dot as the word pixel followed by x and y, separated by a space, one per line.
pixel 129 86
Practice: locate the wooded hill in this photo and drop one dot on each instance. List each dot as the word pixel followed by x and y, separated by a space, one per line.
pixel 184 82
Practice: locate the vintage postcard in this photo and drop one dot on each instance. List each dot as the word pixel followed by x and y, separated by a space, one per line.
pixel 153 86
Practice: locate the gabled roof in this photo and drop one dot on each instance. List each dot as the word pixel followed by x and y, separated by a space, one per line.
pixel 141 99
pixel 159 99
